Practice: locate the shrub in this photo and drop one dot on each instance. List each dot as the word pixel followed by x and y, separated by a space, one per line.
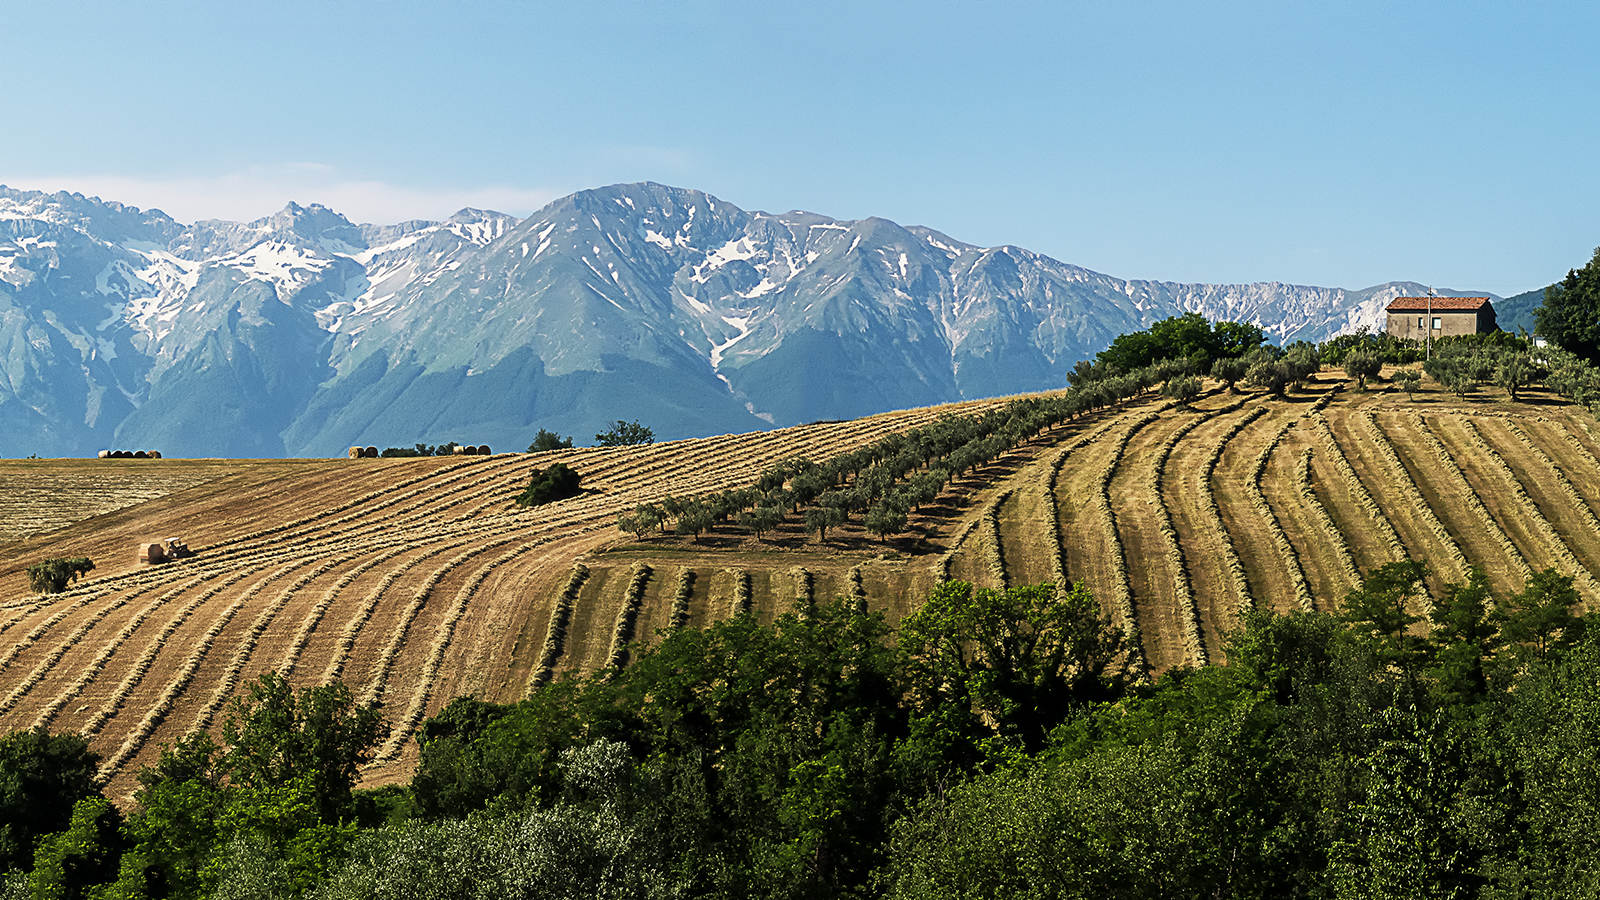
pixel 52 575
pixel 549 485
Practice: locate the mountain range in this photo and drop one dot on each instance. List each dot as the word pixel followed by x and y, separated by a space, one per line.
pixel 301 333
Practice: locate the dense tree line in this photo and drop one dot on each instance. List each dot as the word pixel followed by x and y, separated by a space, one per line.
pixel 997 744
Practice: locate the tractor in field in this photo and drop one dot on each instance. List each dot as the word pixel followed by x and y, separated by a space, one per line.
pixel 170 549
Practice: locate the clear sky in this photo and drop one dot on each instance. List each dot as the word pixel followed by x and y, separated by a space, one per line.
pixel 1328 143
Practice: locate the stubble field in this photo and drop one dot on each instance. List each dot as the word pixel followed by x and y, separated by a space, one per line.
pixel 416 580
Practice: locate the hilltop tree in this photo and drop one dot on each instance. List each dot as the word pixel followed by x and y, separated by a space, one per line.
pixel 1570 316
pixel 549 440
pixel 625 434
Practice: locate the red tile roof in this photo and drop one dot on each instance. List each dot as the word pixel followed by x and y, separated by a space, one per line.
pixel 1447 304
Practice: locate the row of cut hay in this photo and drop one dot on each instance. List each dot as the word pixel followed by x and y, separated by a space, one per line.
pixel 682 590
pixel 1584 511
pixel 141 666
pixel 805 590
pixel 1208 497
pixel 1308 495
pixel 443 635
pixel 61 648
pixel 1402 479
pixel 40 630
pixel 948 558
pixel 363 613
pixel 994 554
pixel 158 711
pixel 555 635
pixel 302 635
pixel 378 682
pixel 858 588
pixel 1183 587
pixel 95 666
pixel 358 508
pixel 1486 521
pixel 1286 552
pixel 632 600
pixel 231 675
pixel 1335 454
pixel 1541 523
pixel 739 603
pixel 1058 562
pixel 1121 594
pixel 24 610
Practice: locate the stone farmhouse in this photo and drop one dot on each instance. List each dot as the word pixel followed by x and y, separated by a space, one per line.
pixel 1410 317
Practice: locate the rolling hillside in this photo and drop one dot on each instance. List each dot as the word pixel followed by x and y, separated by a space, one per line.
pixel 416 580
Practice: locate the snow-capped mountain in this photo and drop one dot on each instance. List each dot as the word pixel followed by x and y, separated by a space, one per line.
pixel 302 333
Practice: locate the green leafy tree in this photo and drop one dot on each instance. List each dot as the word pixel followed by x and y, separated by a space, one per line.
pixel 1570 316
pixel 1183 389
pixel 1020 658
pixel 1380 613
pixel 1514 373
pixel 1409 380
pixel 820 518
pixel 547 485
pixel 1230 371
pixel 1461 640
pixel 42 777
pixel 1274 376
pixel 53 575
pixel 548 440
pixel 1362 366
pixel 760 520
pixel 278 737
pixel 625 434
pixel 1537 624
pixel 69 865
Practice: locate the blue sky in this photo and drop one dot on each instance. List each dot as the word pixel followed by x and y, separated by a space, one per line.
pixel 1324 143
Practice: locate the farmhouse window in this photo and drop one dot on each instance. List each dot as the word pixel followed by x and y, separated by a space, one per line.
pixel 1436 321
pixel 1420 320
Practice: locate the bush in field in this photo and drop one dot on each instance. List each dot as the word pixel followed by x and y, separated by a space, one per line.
pixel 548 485
pixel 52 575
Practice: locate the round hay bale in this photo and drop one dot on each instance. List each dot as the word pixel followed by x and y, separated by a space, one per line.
pixel 370 453
pixel 354 453
pixel 105 454
pixel 140 454
pixel 155 454
pixel 119 454
pixel 461 451
pixel 483 449
pixel 152 553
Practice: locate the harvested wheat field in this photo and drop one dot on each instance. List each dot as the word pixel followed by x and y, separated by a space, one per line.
pixel 417 580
